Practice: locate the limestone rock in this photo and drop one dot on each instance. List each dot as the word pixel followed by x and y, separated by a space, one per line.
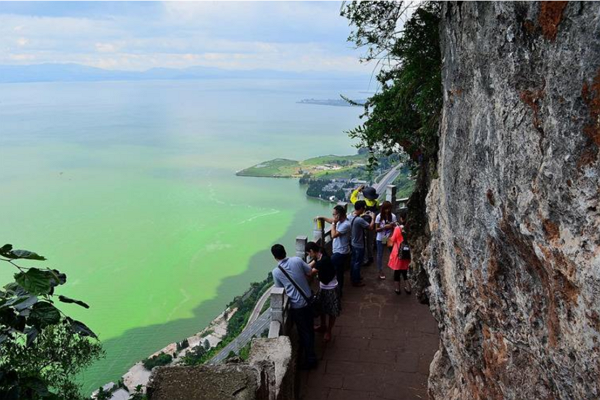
pixel 514 261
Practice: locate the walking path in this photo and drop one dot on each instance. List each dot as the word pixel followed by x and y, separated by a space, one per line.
pixel 259 305
pixel 387 179
pixel 382 346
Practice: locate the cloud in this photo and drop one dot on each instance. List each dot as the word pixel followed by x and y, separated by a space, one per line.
pixel 292 36
pixel 106 47
pixel 21 57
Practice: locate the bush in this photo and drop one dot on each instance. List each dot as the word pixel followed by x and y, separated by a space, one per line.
pixel 184 344
pixel 157 361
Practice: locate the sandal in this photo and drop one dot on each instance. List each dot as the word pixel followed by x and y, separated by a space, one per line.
pixel 320 329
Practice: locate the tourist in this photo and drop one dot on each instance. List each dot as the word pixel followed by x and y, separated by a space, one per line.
pixel 340 233
pixel 291 274
pixel 370 196
pixel 385 223
pixel 400 260
pixel 360 221
pixel 328 296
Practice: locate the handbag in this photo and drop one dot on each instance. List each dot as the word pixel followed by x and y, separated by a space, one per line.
pixel 404 251
pixel 384 239
pixel 312 301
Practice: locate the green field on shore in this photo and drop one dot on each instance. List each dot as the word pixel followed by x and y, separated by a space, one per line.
pixel 329 166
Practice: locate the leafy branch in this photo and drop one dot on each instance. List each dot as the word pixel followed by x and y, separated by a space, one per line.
pixel 41 347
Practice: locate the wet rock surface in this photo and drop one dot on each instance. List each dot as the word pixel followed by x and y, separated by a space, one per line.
pixel 514 256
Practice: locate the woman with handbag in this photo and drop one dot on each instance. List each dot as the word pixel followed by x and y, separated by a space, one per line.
pixel 328 295
pixel 385 223
pixel 400 260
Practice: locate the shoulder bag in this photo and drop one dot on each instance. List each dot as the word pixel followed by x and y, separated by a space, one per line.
pixel 312 301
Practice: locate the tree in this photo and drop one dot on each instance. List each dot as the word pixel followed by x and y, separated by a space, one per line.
pixel 195 355
pixel 41 348
pixel 404 114
pixel 206 344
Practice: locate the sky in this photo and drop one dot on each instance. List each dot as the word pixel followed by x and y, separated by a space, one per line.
pixel 286 36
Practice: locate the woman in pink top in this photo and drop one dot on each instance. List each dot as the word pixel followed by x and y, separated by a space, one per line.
pixel 400 260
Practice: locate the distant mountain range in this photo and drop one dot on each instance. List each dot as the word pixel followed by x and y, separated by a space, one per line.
pixel 79 73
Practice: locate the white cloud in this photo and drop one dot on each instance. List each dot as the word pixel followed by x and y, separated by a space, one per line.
pixel 292 36
pixel 106 47
pixel 21 57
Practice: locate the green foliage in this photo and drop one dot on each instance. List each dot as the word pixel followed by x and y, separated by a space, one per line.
pixel 404 114
pixel 206 344
pixel 158 360
pixel 184 344
pixel 103 394
pixel 195 355
pixel 244 352
pixel 41 348
pixel 138 394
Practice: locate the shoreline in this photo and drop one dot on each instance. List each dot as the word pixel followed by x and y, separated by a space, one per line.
pixel 214 332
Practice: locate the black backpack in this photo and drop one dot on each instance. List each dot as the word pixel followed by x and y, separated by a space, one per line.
pixel 404 251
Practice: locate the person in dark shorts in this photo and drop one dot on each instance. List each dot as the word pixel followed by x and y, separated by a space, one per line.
pixel 328 294
pixel 400 260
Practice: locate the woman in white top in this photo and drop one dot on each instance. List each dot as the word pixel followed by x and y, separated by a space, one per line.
pixel 384 223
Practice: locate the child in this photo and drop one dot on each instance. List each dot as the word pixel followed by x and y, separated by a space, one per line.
pixel 400 260
pixel 328 293
pixel 385 223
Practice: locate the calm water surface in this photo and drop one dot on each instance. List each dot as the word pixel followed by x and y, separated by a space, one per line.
pixel 130 188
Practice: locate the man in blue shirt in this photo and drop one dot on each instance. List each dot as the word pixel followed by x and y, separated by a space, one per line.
pixel 340 233
pixel 300 311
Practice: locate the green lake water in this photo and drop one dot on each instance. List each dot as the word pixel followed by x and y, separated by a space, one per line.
pixel 130 189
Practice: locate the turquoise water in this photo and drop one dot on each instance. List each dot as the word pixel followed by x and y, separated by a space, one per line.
pixel 130 189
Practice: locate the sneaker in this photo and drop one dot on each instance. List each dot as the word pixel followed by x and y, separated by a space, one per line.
pixel 408 291
pixel 381 276
pixel 398 291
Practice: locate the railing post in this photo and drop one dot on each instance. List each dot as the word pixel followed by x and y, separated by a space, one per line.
pixel 301 246
pixel 319 229
pixel 276 311
pixel 390 195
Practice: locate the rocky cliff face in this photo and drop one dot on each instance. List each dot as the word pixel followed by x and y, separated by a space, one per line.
pixel 514 256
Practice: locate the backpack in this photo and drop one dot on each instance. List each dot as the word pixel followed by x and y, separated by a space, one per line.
pixel 404 251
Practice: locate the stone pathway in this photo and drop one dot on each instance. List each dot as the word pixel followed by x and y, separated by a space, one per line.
pixel 382 346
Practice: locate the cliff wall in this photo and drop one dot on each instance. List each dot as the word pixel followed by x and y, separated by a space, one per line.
pixel 514 255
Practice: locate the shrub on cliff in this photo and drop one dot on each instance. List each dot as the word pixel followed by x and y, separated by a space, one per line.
pixel 41 348
pixel 158 360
